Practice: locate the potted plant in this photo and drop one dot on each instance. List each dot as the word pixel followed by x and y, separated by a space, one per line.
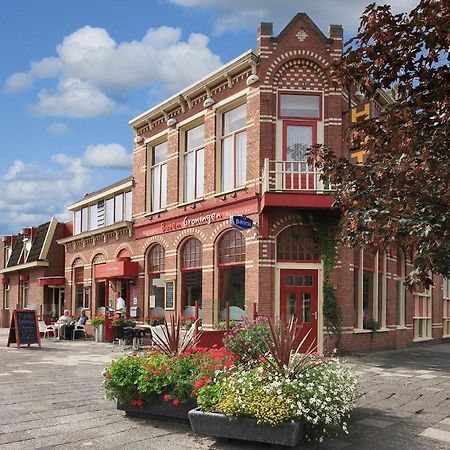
pixel 164 381
pixel 97 323
pixel 280 399
pixel 154 320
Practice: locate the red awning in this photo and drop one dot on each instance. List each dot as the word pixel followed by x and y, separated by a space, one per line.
pixel 51 281
pixel 117 269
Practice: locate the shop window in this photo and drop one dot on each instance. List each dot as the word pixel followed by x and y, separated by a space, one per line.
pixel 422 314
pixel 369 289
pixel 446 299
pixel 158 174
pixel 6 289
pixel 295 245
pixel 191 267
pixel 194 164
pixel 400 289
pixel 156 262
pixel 231 266
pixel 301 106
pixel 234 149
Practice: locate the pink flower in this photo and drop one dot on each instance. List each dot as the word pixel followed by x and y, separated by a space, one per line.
pixel 166 397
pixel 175 402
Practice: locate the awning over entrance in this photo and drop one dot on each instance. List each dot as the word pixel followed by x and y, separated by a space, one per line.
pixel 51 281
pixel 117 269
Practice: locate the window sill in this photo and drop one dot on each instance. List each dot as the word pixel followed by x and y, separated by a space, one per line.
pixel 155 213
pixel 361 331
pixel 190 203
pixel 401 327
pixel 423 339
pixel 383 330
pixel 232 191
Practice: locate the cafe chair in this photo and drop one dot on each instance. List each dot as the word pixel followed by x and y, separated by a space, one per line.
pixel 46 329
pixel 80 329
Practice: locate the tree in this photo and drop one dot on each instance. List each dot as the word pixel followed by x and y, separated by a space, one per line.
pixel 400 194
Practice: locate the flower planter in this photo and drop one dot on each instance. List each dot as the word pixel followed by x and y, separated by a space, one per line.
pixel 218 425
pixel 160 409
pixel 98 334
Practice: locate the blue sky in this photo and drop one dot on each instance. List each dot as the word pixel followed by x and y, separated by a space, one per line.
pixel 74 73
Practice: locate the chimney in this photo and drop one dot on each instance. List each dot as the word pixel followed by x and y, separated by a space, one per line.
pixel 265 32
pixel 336 32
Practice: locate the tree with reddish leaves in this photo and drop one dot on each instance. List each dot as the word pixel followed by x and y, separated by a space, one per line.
pixel 400 195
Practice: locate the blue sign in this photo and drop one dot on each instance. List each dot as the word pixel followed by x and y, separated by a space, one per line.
pixel 241 222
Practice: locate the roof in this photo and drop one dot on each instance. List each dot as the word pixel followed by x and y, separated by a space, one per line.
pixel 93 194
pixel 307 19
pixel 16 252
pixel 38 242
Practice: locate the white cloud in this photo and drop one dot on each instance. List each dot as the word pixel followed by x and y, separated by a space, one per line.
pixel 17 167
pixel 91 68
pixel 57 128
pixel 73 98
pixel 112 156
pixel 233 14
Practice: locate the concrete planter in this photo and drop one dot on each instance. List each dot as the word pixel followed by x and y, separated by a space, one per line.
pixel 218 425
pixel 159 409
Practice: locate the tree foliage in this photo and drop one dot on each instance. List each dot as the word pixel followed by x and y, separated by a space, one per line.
pixel 400 195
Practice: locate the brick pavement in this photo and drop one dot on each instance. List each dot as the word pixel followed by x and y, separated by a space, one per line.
pixel 52 398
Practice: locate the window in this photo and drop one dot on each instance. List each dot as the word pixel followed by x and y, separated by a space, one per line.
pixel 109 211
pixel 6 296
pixel 128 205
pixel 232 274
pixel 191 267
pixel 234 148
pixel 118 208
pixel 295 244
pixel 300 106
pixel 400 291
pixel 84 219
pixel 158 173
pixel 77 222
pixel 369 289
pixel 93 211
pixel 25 286
pixel 155 264
pixel 422 315
pixel 446 297
pixel 194 164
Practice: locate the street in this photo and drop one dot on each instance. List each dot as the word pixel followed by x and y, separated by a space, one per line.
pixel 52 398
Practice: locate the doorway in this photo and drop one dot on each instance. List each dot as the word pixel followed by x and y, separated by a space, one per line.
pixel 299 298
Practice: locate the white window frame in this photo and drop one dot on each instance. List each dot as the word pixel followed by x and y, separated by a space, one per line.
pixel 401 291
pixel 234 134
pixel 159 167
pixel 6 289
pixel 422 324
pixel 195 150
pixel 446 306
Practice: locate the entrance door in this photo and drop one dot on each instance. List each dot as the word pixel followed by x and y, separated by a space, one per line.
pixel 298 297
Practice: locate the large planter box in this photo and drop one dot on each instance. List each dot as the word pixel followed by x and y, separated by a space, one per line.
pixel 218 425
pixel 159 409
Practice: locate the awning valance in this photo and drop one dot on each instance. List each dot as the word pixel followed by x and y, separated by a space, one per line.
pixel 51 281
pixel 117 269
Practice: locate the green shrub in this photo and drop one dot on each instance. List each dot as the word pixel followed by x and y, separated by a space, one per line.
pixel 97 321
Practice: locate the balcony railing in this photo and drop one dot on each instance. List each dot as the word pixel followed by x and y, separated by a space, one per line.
pixel 292 176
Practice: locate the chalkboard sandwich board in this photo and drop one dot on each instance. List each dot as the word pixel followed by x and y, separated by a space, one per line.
pixel 24 329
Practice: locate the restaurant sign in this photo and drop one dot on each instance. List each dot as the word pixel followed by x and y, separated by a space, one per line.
pixel 188 222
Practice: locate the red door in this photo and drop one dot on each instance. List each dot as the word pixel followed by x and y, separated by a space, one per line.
pixel 298 137
pixel 298 297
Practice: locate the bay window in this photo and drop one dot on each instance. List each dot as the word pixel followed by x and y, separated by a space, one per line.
pixel 194 164
pixel 158 174
pixel 234 148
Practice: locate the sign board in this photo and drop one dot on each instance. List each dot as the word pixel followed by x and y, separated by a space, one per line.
pixel 170 295
pixel 24 329
pixel 241 222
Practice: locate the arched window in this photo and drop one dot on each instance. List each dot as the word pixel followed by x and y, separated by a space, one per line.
pixel 156 278
pixel 81 295
pixel 231 262
pixel 99 295
pixel 294 244
pixel 156 259
pixel 191 269
pixel 191 255
pixel 401 292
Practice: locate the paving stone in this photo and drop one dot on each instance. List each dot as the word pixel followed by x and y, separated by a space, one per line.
pixel 371 422
pixel 438 435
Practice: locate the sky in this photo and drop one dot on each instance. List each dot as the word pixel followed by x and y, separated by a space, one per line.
pixel 73 74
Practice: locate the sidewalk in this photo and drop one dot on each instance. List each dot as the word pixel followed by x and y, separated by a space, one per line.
pixel 52 398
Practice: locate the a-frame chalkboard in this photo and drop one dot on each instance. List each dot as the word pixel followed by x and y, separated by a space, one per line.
pixel 24 329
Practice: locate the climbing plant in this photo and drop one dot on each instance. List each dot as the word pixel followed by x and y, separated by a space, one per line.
pixel 324 228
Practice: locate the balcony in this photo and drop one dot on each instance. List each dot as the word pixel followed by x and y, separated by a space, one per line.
pixel 294 184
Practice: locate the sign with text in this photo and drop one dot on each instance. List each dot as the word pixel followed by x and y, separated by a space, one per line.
pixel 24 328
pixel 241 222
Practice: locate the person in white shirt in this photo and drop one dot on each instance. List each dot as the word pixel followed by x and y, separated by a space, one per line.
pixel 63 321
pixel 120 303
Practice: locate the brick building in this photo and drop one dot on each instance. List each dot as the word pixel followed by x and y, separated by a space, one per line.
pixel 235 144
pixel 32 271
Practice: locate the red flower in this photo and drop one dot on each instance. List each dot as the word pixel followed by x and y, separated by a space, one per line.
pixel 106 375
pixel 137 402
pixel 175 402
pixel 166 397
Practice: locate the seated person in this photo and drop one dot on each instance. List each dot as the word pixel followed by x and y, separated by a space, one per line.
pixel 73 325
pixel 63 321
pixel 83 318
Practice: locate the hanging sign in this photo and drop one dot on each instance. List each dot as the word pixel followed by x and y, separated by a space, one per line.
pixel 241 222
